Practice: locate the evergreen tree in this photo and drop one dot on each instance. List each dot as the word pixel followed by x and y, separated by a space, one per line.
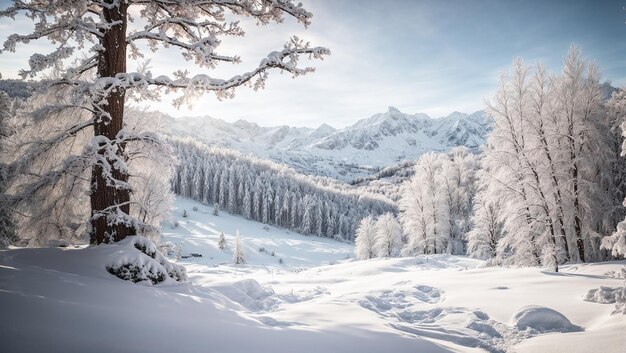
pixel 238 251
pixel 221 241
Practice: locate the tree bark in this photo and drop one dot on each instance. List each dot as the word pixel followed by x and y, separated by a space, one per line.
pixel 108 123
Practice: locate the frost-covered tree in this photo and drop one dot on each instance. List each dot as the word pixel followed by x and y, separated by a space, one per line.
pixel 487 225
pixel 7 226
pixel 95 41
pixel 457 179
pixel 238 251
pixel 545 161
pixel 308 206
pixel 152 202
pixel 436 203
pixel 365 242
pixel 616 243
pixel 216 209
pixel 221 241
pixel 152 199
pixel 198 184
pixel 387 236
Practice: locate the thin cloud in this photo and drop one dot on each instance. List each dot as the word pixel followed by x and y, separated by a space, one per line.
pixel 427 56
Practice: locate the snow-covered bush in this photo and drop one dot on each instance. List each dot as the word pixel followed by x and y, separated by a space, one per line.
pixel 603 295
pixel 216 209
pixel 144 263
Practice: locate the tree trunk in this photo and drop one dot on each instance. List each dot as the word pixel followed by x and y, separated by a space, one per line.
pixel 107 198
pixel 577 223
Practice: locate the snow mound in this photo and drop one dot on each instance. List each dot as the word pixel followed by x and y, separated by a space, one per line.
pixel 139 261
pixel 543 320
pixel 603 295
pixel 251 295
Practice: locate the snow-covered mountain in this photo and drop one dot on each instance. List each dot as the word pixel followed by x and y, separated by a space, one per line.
pixel 357 150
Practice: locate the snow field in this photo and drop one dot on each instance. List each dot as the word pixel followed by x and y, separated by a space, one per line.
pixel 64 300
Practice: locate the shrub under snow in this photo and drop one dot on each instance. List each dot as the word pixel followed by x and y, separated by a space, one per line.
pixel 143 262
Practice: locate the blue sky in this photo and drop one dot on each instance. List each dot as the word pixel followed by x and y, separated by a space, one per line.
pixel 420 56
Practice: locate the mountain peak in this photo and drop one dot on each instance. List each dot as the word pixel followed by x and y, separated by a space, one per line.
pixel 393 109
pixel 325 126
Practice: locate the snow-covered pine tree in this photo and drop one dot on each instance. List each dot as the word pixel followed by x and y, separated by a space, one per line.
pixel 216 209
pixel 247 201
pixel 197 184
pixel 221 241
pixel 223 189
pixel 257 201
pixel 216 186
pixel 207 192
pixel 238 251
pixel 387 236
pixel 294 210
pixel 307 210
pixel 99 82
pixel 232 190
pixel 330 222
pixel 365 242
pixel 319 220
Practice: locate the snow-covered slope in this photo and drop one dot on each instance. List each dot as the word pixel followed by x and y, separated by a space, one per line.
pixel 357 150
pixel 264 245
pixel 63 300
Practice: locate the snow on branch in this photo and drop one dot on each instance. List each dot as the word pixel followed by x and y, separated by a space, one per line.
pixel 285 60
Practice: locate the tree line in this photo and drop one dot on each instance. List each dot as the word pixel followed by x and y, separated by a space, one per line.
pixel 271 193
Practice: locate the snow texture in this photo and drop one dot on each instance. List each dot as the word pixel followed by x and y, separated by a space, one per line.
pixel 54 299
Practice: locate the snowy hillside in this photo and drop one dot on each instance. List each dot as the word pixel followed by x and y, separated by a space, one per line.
pixel 357 150
pixel 199 231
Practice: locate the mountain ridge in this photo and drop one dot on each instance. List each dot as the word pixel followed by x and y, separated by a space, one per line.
pixel 357 150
